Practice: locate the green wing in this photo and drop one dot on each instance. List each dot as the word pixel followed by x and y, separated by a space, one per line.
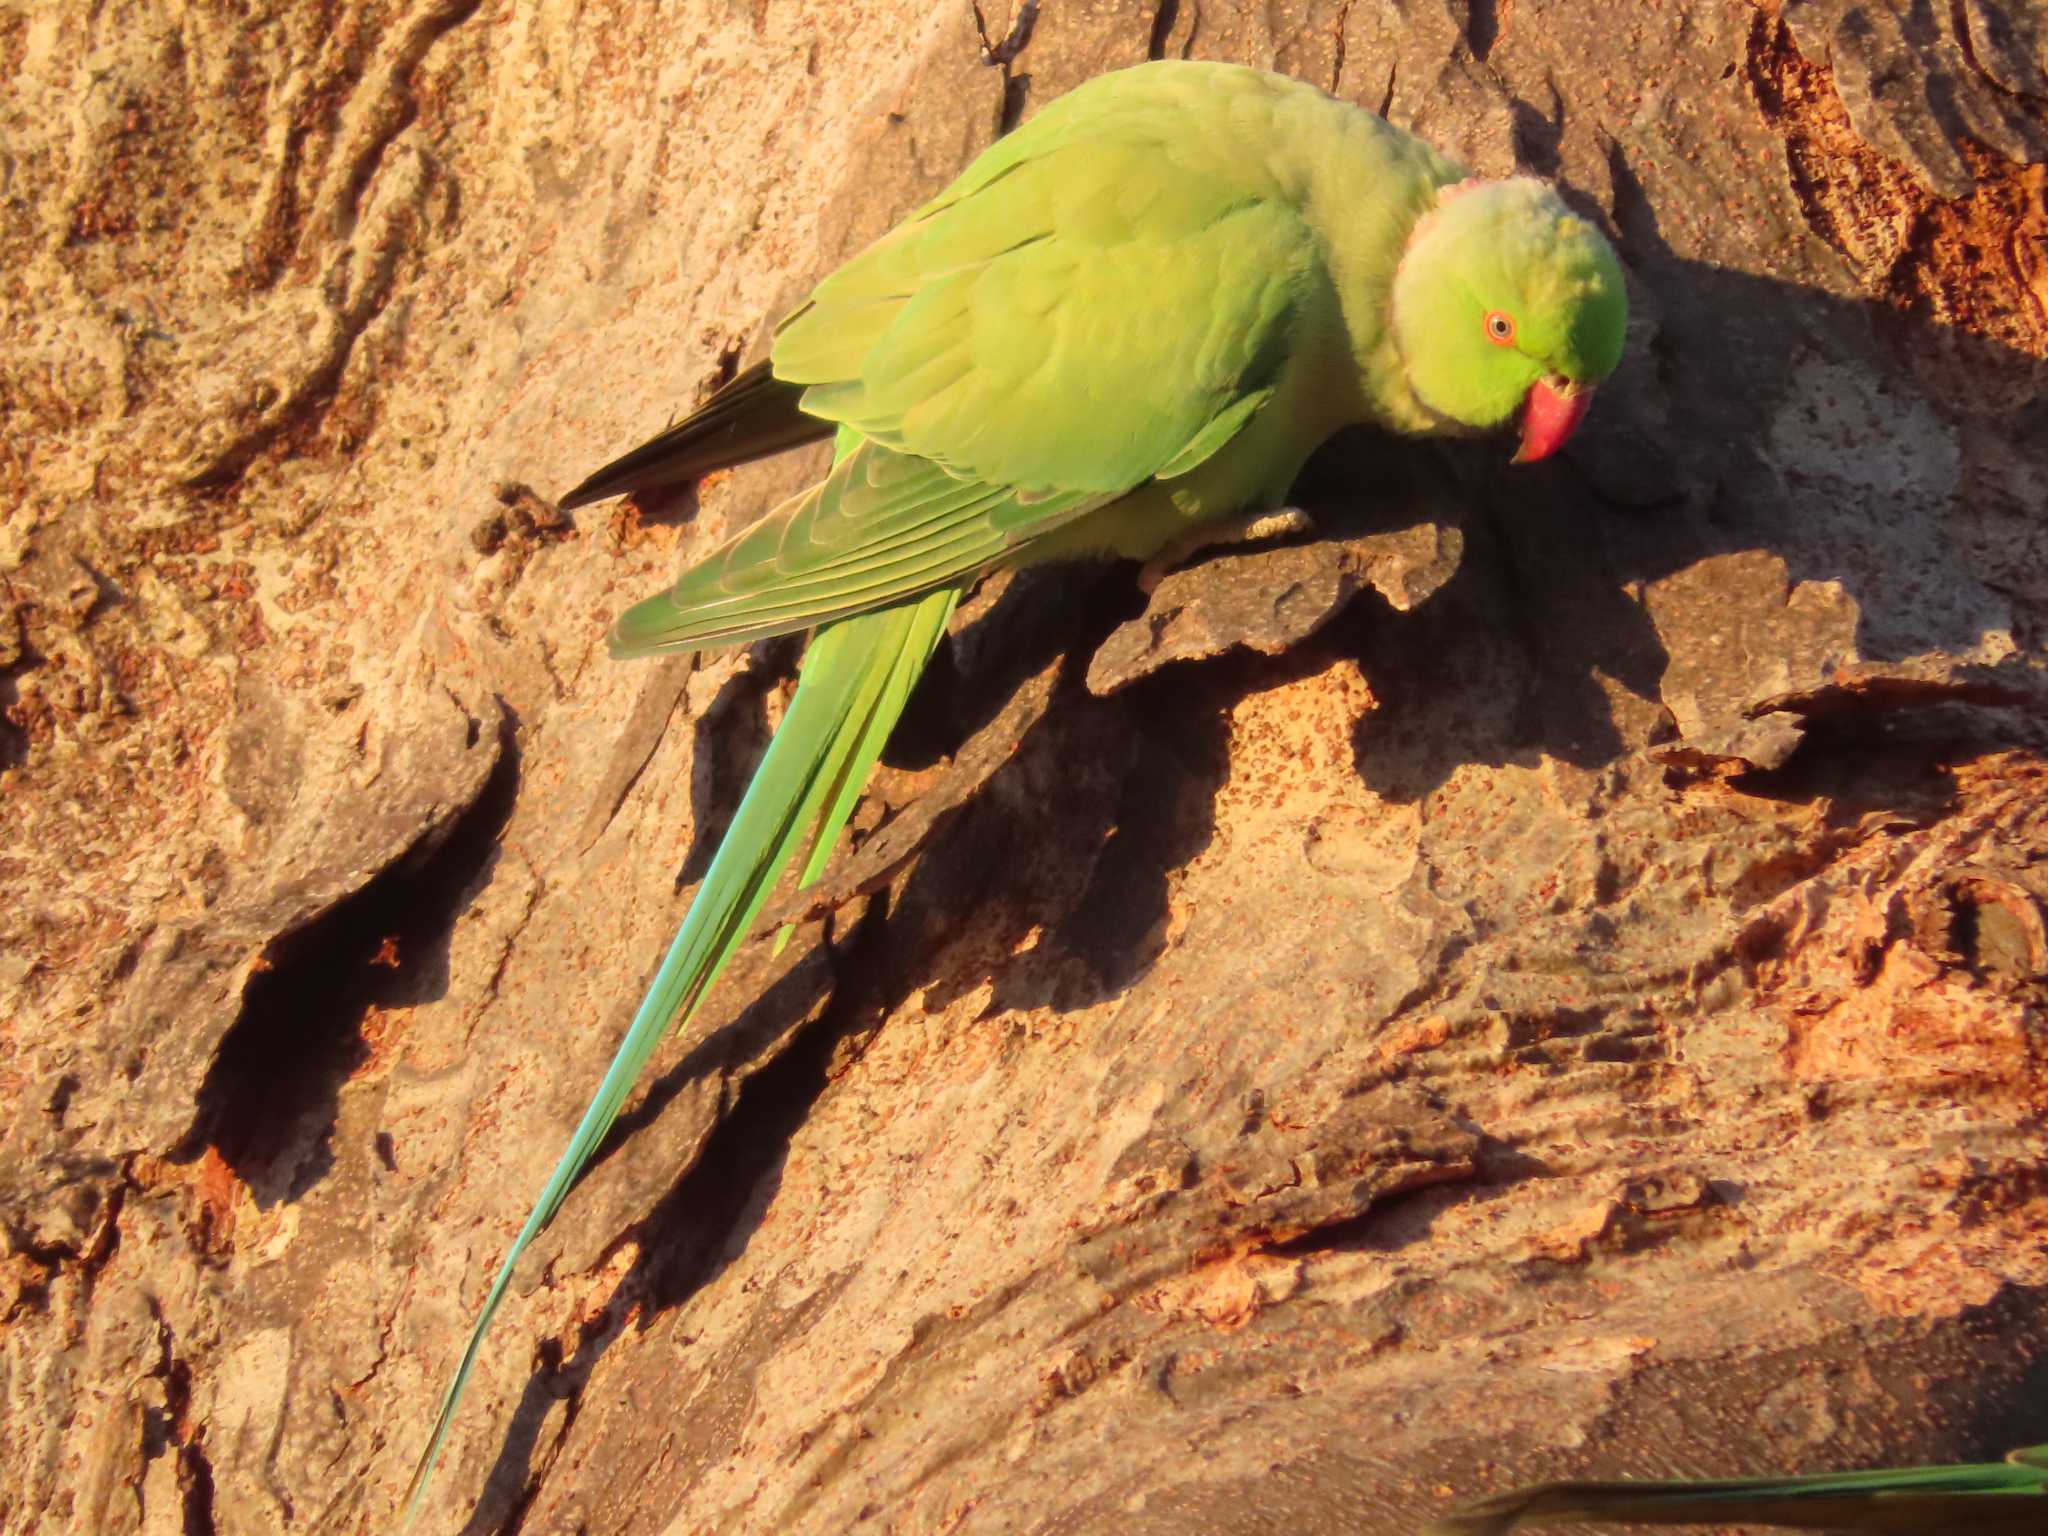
pixel 1061 326
pixel 881 527
pixel 1072 324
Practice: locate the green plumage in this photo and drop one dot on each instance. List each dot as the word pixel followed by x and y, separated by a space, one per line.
pixel 1136 315
pixel 881 527
pixel 1986 1499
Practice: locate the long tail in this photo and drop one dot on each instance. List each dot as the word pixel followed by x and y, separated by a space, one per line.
pixel 2005 1496
pixel 856 678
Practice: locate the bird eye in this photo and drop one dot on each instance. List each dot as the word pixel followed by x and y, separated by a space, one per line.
pixel 1500 327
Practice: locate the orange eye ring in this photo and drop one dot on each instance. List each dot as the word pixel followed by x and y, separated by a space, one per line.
pixel 1500 327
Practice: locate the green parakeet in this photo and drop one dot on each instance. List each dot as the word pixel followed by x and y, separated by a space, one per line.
pixel 1134 316
pixel 2000 1496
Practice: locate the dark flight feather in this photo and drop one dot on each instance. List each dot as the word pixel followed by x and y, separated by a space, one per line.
pixel 753 416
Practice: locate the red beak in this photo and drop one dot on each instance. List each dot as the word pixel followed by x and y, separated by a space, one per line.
pixel 1549 417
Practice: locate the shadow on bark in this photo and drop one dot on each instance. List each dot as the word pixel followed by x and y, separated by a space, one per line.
pixel 272 1094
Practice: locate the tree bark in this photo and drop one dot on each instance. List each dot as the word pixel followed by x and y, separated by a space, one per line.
pixel 1548 978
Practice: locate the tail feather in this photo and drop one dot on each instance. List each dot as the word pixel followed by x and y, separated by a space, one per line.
pixel 857 676
pixel 2008 1496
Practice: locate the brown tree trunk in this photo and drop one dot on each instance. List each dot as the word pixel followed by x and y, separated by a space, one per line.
pixel 1548 978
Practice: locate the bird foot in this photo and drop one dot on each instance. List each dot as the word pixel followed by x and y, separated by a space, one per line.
pixel 1282 522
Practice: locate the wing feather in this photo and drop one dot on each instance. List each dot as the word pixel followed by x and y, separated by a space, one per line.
pixel 881 527
pixel 755 415
pixel 1107 296
pixel 1074 324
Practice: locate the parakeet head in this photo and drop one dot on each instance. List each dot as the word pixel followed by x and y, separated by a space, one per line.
pixel 1507 301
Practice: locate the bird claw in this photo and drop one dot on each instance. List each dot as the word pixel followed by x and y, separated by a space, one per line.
pixel 1283 522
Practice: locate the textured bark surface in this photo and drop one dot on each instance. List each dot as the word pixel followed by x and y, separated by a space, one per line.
pixel 1550 977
